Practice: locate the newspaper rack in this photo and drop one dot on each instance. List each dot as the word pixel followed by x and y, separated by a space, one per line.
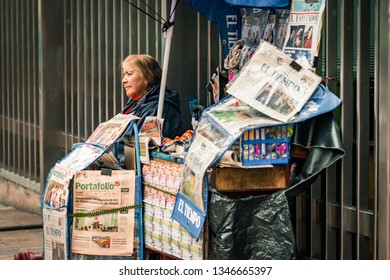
pixel 164 235
pixel 57 201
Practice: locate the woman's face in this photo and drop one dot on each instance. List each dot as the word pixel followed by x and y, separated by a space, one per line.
pixel 134 82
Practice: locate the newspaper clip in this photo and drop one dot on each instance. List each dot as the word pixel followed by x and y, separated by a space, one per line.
pixel 106 172
pixel 295 65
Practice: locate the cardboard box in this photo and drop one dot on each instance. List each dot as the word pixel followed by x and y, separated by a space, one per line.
pixel 130 157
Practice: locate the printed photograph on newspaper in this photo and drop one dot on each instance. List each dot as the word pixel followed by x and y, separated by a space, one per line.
pixel 281 27
pixel 274 84
pixel 104 216
pixel 57 189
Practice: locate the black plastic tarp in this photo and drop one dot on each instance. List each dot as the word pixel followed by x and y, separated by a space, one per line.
pixel 250 228
pixel 322 138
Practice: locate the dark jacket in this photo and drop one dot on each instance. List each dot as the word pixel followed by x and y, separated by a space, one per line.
pixel 148 106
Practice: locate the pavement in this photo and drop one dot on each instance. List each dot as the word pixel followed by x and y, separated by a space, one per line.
pixel 20 231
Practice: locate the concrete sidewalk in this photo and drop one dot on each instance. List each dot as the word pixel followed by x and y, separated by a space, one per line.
pixel 20 231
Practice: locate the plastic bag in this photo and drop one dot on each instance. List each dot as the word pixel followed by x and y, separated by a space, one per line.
pixel 250 228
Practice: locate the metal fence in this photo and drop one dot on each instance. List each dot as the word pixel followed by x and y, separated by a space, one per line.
pixel 19 86
pixel 344 215
pixel 60 77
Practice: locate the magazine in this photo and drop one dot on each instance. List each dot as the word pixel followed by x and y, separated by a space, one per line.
pixel 274 84
pixel 304 30
pixel 109 230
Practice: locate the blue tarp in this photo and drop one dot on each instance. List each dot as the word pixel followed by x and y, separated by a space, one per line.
pixel 211 8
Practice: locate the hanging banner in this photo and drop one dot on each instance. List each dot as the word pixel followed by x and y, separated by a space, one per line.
pixel 229 24
pixel 188 214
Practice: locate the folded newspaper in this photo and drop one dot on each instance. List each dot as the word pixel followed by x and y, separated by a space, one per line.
pixel 54 213
pixel 104 213
pixel 274 84
pixel 108 132
pixel 97 143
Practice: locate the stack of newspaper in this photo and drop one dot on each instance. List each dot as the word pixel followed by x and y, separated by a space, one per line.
pixel 97 232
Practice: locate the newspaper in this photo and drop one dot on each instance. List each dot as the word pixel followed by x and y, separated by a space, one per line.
pixel 274 84
pixel 57 189
pixel 281 28
pixel 233 115
pixel 199 157
pixel 108 132
pixel 304 30
pixel 55 234
pixel 101 138
pixel 254 23
pixel 150 136
pixel 81 157
pixel 269 32
pixel 109 160
pixel 106 234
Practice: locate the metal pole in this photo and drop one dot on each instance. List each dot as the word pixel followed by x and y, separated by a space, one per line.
pixel 169 34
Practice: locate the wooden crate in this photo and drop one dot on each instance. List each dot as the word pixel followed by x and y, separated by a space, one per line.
pixel 229 179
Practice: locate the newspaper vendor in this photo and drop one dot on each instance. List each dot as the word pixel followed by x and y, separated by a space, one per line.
pixel 141 77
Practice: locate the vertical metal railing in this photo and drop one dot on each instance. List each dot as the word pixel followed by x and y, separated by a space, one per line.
pixel 331 183
pixel 350 214
pixel 97 36
pixel 19 110
pixel 382 132
pixel 347 124
pixel 363 31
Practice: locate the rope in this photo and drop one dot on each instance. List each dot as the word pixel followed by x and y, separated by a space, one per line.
pixel 170 23
pixel 166 24
pixel 107 211
pixel 161 190
pixel 143 11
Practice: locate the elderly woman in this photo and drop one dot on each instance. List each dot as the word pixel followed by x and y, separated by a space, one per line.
pixel 141 79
